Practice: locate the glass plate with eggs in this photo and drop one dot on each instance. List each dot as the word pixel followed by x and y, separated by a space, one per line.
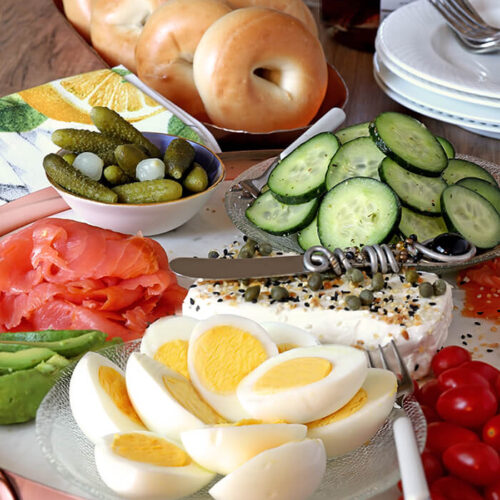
pixel 368 470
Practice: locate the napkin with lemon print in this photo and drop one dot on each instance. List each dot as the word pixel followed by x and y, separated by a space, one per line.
pixel 28 118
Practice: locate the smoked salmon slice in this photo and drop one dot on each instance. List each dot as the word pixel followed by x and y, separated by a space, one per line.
pixel 63 274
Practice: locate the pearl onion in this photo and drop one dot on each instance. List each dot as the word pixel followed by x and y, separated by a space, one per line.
pixel 89 164
pixel 150 169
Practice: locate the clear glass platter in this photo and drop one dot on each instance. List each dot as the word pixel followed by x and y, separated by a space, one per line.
pixel 369 470
pixel 236 205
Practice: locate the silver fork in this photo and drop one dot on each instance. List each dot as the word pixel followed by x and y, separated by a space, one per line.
pixel 410 464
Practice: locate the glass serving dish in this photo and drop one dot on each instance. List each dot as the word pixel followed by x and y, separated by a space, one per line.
pixel 236 206
pixel 369 470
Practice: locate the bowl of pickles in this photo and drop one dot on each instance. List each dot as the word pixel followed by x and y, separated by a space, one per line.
pixel 128 181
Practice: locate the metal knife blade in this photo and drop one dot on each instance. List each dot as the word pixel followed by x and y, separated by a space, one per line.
pixel 227 269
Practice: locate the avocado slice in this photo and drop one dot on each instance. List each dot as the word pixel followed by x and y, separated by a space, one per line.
pixel 23 360
pixel 43 336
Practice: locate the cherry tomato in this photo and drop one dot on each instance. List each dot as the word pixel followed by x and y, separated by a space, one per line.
pixel 490 373
pixel 442 435
pixel 477 463
pixel 437 496
pixel 459 376
pixel 468 405
pixel 448 357
pixel 491 432
pixel 433 468
pixel 492 492
pixel 430 414
pixel 496 385
pixel 453 488
pixel 429 393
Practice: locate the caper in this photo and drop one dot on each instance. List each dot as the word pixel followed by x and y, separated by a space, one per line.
pixel 353 302
pixel 252 293
pixel 279 293
pixel 439 287
pixel 213 254
pixel 411 276
pixel 425 289
pixel 245 281
pixel 247 251
pixel 377 282
pixel 366 297
pixel 315 281
pixel 265 249
pixel 354 275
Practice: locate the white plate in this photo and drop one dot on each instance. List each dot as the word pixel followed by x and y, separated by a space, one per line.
pixel 416 38
pixel 483 114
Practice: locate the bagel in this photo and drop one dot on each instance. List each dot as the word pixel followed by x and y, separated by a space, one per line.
pixel 259 70
pixel 115 26
pixel 166 46
pixel 296 8
pixel 78 14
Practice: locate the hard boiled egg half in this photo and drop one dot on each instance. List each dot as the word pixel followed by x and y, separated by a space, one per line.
pixel 224 349
pixel 287 336
pixel 146 465
pixel 303 384
pixel 165 400
pixel 166 340
pixel 99 400
pixel 357 421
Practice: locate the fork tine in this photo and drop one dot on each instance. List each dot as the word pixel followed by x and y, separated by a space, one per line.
pixel 402 366
pixel 383 357
pixel 370 359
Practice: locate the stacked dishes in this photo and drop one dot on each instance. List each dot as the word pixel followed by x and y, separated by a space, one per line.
pixel 420 64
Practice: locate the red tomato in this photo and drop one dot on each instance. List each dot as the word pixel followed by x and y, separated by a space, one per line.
pixel 430 414
pixel 448 357
pixel 490 373
pixel 496 385
pixel 442 435
pixel 492 492
pixel 477 463
pixel 469 405
pixel 429 393
pixel 437 496
pixel 491 432
pixel 459 376
pixel 453 488
pixel 433 468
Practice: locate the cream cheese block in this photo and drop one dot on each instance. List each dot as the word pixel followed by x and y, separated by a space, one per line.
pixel 418 325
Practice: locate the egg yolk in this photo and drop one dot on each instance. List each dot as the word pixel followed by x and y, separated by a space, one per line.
pixel 186 395
pixel 354 405
pixel 113 384
pixel 293 373
pixel 150 450
pixel 224 355
pixel 286 346
pixel 173 355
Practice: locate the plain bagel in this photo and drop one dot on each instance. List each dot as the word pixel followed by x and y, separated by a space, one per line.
pixel 78 14
pixel 296 8
pixel 259 70
pixel 166 46
pixel 115 27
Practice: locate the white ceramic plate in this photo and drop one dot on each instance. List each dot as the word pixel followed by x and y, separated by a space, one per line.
pixel 416 38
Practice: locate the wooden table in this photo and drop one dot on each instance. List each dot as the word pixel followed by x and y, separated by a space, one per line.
pixel 38 45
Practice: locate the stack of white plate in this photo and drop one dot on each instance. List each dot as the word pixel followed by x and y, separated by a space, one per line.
pixel 420 64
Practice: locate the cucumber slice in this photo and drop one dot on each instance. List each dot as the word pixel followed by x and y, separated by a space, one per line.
pixel 353 132
pixel 300 176
pixel 484 188
pixel 423 226
pixel 460 169
pixel 357 158
pixel 408 142
pixel 269 214
pixel 471 215
pixel 358 211
pixel 308 237
pixel 447 146
pixel 415 191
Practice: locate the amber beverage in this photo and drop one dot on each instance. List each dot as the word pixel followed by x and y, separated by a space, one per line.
pixel 352 22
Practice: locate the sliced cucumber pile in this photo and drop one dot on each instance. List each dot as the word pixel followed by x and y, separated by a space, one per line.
pixel 422 226
pixel 353 132
pixel 460 169
pixel 484 188
pixel 447 146
pixel 308 237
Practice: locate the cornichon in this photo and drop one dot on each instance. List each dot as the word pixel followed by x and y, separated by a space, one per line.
pixel 69 178
pixel 196 180
pixel 80 141
pixel 178 158
pixel 149 191
pixel 109 122
pixel 115 175
pixel 128 156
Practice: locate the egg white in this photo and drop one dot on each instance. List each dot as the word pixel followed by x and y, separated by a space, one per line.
pixel 93 409
pixel 347 434
pixel 308 402
pixel 226 404
pixel 134 479
pixel 292 471
pixel 224 448
pixel 286 336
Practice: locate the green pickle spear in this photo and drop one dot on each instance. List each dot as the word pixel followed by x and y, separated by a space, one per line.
pixel 149 191
pixel 61 172
pixel 196 180
pixel 109 122
pixel 178 158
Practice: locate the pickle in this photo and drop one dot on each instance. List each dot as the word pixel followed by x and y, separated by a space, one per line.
pixel 70 157
pixel 179 156
pixel 69 178
pixel 115 175
pixel 196 180
pixel 80 141
pixel 128 156
pixel 109 122
pixel 149 191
